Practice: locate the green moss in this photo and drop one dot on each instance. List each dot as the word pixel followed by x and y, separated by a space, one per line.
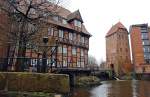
pixel 64 83
pixel 2 81
pixel 35 82
pixel 28 94
pixel 86 81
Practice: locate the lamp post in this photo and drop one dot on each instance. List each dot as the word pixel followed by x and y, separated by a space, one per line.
pixel 44 57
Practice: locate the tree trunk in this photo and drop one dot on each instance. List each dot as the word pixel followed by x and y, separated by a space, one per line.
pixel 44 63
pixel 21 54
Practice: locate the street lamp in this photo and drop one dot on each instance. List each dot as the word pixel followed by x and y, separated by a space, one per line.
pixel 44 57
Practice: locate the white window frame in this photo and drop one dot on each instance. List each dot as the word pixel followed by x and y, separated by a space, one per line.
pixel 61 33
pixel 64 63
pixel 82 52
pixel 82 39
pixel 64 21
pixel 64 50
pixel 78 64
pixel 55 18
pixel 74 36
pixel 82 64
pixel 50 31
pixel 77 23
pixel 70 36
pixel 59 49
pixel 74 51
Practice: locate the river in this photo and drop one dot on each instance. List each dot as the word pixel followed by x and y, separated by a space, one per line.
pixel 116 89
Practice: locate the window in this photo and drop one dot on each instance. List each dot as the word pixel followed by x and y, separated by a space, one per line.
pixel 33 62
pixel 59 49
pixel 146 56
pixel 147 61
pixel 74 51
pixel 144 29
pixel 78 64
pixel 64 50
pixel 64 21
pixel 86 40
pixel 50 31
pixel 82 64
pixel 77 23
pixel 55 18
pixel 82 39
pixel 146 42
pixel 82 53
pixel 74 36
pixel 64 63
pixel 61 33
pixel 70 36
pixel 144 35
pixel 146 48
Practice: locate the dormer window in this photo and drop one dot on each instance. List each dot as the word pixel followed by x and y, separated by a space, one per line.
pixel 55 18
pixel 77 23
pixel 64 21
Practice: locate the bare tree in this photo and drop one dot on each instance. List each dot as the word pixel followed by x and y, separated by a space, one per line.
pixel 92 62
pixel 26 18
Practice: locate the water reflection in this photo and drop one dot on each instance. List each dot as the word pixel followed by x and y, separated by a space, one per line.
pixel 141 89
pixel 80 93
pixel 111 89
pixel 117 89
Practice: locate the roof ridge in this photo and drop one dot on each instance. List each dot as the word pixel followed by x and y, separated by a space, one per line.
pixel 114 28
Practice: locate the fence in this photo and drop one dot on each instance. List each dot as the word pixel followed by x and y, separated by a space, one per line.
pixel 31 61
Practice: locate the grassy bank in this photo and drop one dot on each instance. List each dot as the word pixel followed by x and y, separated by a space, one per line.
pixel 87 81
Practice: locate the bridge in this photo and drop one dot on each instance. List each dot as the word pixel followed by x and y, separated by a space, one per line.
pixel 103 74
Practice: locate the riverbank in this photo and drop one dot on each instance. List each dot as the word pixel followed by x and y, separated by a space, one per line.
pixel 87 81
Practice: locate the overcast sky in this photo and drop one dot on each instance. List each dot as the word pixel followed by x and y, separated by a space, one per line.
pixel 100 15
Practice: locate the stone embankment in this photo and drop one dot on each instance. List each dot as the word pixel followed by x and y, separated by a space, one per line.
pixel 87 81
pixel 34 82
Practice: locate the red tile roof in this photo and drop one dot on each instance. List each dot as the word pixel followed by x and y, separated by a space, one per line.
pixel 114 28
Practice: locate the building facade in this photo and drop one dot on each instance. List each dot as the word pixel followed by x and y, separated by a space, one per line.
pixel 4 24
pixel 72 39
pixel 140 43
pixel 64 30
pixel 117 49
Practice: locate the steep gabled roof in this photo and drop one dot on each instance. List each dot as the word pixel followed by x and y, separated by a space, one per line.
pixel 75 15
pixel 114 28
pixel 65 13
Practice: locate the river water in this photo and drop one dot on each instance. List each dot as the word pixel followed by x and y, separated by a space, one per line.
pixel 116 89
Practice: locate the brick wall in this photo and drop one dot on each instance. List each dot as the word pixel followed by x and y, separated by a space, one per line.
pixel 136 45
